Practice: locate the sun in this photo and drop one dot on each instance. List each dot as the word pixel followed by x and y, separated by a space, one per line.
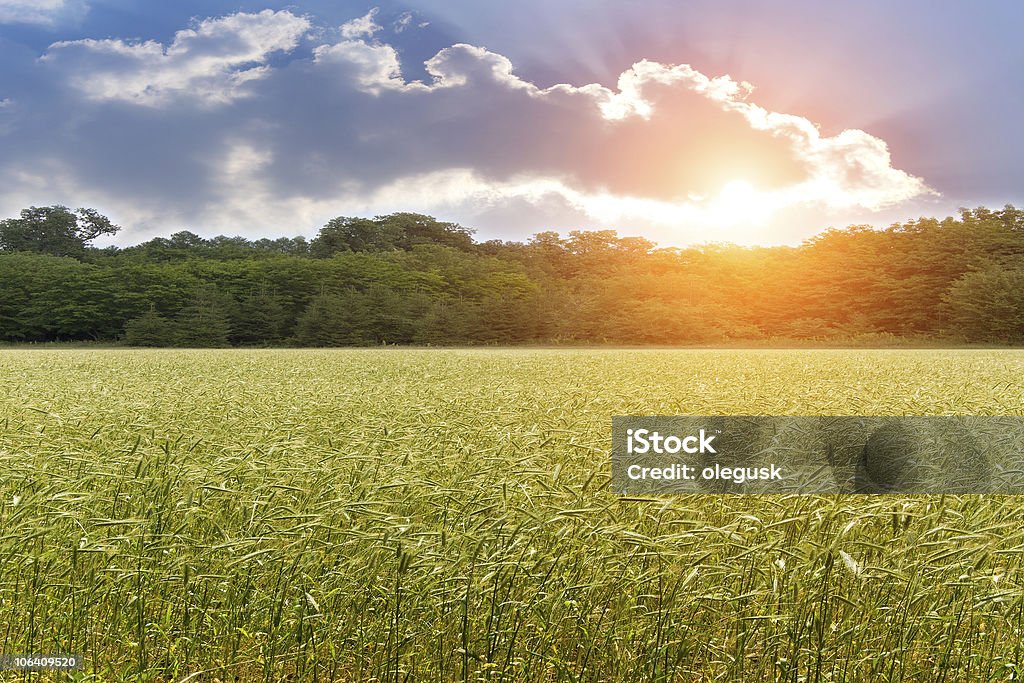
pixel 739 202
pixel 737 191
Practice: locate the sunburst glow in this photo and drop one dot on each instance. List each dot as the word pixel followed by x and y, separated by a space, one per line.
pixel 740 202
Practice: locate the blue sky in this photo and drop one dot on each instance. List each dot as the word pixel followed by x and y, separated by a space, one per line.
pixel 684 122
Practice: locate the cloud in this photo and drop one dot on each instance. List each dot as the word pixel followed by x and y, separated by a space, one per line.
pixel 667 133
pixel 210 62
pixel 44 12
pixel 341 130
pixel 370 67
pixel 403 22
pixel 363 27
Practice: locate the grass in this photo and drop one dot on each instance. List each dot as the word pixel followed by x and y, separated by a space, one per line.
pixel 445 515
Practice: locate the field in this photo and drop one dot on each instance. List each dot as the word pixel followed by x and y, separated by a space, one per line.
pixel 399 515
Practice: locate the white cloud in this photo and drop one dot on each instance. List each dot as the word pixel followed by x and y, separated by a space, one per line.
pixel 374 67
pixel 364 26
pixel 44 12
pixel 403 22
pixel 461 63
pixel 210 62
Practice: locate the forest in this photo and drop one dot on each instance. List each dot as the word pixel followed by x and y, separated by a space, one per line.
pixel 411 279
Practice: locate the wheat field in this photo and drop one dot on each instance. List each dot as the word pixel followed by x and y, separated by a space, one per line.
pixel 414 514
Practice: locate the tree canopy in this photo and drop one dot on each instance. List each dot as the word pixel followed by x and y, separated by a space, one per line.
pixel 54 230
pixel 411 279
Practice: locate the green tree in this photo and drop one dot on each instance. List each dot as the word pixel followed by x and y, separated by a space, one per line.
pixel 205 323
pixel 342 318
pixel 54 230
pixel 259 318
pixel 988 305
pixel 397 231
pixel 149 329
pixel 450 321
pixel 50 298
pixel 353 234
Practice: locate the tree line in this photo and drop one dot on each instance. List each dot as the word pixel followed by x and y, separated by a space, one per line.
pixel 408 278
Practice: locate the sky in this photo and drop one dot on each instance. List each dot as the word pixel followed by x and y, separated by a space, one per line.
pixel 686 123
